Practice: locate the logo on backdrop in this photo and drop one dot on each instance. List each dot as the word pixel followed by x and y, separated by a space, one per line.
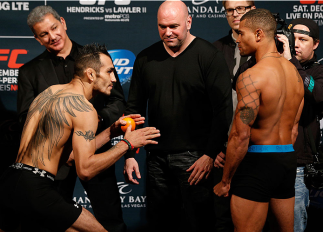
pixel 127 199
pixel 307 9
pixel 130 201
pixel 123 61
pixel 207 11
pixel 311 1
pixel 102 2
pixel 123 187
pixel 83 200
pixel 120 12
pixel 9 74
pixel 199 2
pixel 14 6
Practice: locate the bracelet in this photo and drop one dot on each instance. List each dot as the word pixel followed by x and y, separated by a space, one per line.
pixel 129 144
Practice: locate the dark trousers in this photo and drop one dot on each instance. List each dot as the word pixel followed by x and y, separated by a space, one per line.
pixel 102 190
pixel 172 204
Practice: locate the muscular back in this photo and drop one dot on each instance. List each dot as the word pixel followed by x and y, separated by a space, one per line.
pixel 45 141
pixel 270 96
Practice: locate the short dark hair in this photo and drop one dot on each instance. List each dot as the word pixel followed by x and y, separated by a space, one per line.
pixel 250 3
pixel 38 13
pixel 262 19
pixel 89 57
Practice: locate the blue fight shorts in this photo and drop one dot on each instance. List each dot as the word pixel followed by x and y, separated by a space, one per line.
pixel 267 171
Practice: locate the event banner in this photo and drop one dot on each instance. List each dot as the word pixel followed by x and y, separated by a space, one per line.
pixel 126 27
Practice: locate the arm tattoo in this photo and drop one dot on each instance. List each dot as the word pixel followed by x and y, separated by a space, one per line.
pixel 89 135
pixel 52 108
pixel 246 114
pixel 249 97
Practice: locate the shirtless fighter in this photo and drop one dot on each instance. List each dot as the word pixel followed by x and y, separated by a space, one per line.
pixel 261 161
pixel 61 119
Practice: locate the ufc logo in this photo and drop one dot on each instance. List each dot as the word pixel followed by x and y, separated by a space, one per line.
pixel 311 1
pixel 102 2
pixel 12 57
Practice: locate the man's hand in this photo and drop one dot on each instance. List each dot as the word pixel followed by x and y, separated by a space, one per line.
pixel 219 160
pixel 202 167
pixel 282 38
pixel 131 165
pixel 141 137
pixel 115 128
pixel 221 189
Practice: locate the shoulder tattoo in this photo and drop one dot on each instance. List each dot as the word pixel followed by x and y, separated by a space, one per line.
pixel 246 114
pixel 89 135
pixel 52 109
pixel 249 97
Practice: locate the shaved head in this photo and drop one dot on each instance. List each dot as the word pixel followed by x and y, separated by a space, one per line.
pixel 172 7
pixel 174 24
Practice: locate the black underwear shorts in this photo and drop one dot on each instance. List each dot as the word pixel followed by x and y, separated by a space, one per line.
pixel 28 195
pixel 267 171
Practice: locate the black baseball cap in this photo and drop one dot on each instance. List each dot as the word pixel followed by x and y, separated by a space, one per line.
pixel 312 26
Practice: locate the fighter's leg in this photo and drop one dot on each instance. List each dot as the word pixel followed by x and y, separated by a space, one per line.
pixel 248 215
pixel 86 222
pixel 282 211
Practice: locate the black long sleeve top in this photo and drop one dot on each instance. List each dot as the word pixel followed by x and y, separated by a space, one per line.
pixel 189 97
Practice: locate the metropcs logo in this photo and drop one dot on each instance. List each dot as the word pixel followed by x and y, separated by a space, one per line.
pixel 123 61
pixel 12 58
pixel 102 2
pixel 311 1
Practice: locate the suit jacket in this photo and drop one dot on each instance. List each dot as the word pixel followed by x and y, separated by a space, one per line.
pixel 39 74
pixel 227 46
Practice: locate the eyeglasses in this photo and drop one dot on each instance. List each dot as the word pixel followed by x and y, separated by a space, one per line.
pixel 239 9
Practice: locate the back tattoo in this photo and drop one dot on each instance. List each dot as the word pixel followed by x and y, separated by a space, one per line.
pixel 52 108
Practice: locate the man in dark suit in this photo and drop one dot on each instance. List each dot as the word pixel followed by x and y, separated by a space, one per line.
pixel 56 66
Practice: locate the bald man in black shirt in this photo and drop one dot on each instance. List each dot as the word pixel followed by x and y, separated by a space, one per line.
pixel 186 83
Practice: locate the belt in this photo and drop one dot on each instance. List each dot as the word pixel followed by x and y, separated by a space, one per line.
pixel 270 148
pixel 36 171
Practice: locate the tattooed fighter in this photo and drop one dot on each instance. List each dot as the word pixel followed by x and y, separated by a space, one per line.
pixel 260 166
pixel 61 119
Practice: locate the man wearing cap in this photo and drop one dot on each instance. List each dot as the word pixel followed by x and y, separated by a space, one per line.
pixel 306 34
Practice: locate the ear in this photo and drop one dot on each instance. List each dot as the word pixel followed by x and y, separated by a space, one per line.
pixel 259 33
pixel 63 22
pixel 189 22
pixel 253 7
pixel 316 44
pixel 90 74
pixel 38 40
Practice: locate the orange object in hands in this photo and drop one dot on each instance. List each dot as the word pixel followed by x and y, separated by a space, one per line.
pixel 129 122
